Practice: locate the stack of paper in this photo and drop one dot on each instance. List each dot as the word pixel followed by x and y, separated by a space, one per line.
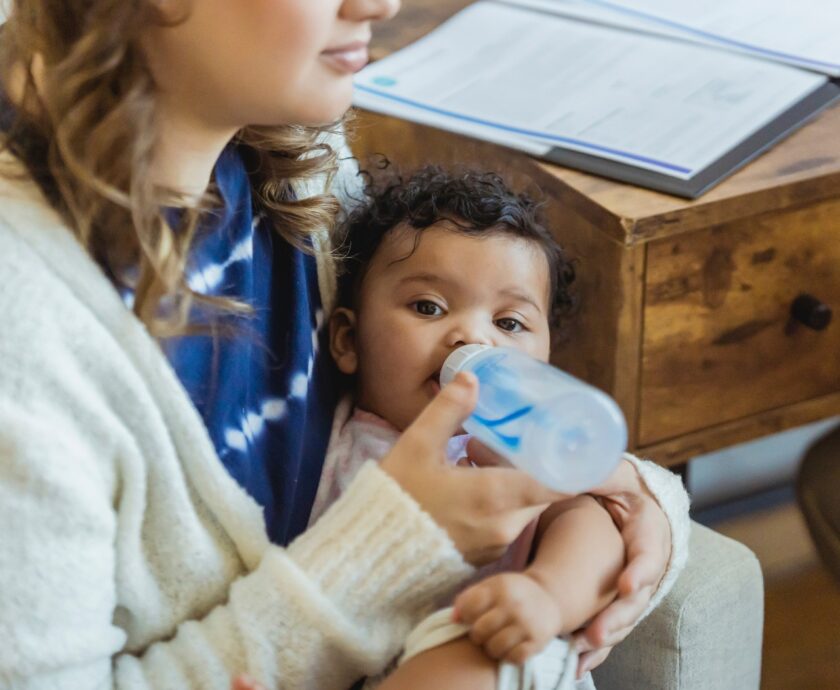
pixel 625 89
pixel 802 33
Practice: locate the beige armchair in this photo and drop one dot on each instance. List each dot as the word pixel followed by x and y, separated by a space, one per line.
pixel 706 634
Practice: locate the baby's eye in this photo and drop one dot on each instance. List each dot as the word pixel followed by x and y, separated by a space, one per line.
pixel 427 308
pixel 510 325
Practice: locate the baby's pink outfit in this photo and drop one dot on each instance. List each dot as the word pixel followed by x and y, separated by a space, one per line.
pixel 366 436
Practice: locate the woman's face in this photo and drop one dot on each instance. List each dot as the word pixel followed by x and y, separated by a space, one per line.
pixel 233 63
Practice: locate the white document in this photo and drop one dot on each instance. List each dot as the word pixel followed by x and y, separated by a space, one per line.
pixel 364 98
pixel 805 33
pixel 593 12
pixel 544 80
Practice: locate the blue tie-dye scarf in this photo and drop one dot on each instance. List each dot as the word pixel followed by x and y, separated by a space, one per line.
pixel 268 394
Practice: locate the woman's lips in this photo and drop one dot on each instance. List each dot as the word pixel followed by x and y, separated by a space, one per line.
pixel 348 59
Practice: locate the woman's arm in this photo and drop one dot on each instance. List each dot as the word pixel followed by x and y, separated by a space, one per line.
pixel 82 608
pixel 102 587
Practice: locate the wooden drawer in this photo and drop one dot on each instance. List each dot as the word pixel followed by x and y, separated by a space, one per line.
pixel 718 341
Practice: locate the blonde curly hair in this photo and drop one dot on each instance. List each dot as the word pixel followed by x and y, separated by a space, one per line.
pixel 86 127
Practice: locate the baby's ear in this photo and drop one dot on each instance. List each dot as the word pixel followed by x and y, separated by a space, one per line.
pixel 343 340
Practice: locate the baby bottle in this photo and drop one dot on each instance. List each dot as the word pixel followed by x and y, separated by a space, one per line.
pixel 562 431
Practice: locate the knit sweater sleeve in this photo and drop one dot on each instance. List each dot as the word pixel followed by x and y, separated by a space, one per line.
pixel 334 606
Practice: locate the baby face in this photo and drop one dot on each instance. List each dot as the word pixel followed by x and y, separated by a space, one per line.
pixel 426 294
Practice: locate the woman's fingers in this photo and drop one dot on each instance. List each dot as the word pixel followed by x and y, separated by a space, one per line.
pixel 647 535
pixel 643 570
pixel 587 641
pixel 441 419
pixel 590 660
pixel 616 621
pixel 245 682
pixel 647 539
pixel 421 449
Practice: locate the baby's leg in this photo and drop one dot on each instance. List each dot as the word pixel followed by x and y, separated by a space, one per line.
pixel 456 665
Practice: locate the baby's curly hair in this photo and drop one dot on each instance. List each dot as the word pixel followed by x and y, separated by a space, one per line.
pixel 474 203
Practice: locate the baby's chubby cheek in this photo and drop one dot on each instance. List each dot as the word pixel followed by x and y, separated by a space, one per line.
pixel 385 394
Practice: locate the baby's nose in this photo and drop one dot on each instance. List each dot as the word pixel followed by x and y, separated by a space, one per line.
pixel 469 334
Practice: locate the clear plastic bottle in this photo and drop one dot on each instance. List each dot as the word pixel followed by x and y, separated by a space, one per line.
pixel 564 432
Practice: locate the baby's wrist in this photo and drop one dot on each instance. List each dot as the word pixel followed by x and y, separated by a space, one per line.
pixel 544 580
pixel 539 576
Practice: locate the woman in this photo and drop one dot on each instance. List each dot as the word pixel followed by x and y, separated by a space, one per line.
pixel 170 155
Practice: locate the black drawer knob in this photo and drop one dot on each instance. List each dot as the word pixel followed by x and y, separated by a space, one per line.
pixel 809 311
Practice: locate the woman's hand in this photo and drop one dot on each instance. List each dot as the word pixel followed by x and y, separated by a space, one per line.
pixel 647 541
pixel 483 512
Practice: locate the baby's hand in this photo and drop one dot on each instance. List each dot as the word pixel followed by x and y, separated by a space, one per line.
pixel 511 616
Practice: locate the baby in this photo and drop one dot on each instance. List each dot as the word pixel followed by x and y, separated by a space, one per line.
pixel 433 263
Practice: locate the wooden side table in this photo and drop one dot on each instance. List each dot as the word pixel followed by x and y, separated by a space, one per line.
pixel 687 307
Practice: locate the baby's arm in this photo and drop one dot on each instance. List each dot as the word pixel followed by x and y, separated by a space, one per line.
pixel 572 577
pixel 578 559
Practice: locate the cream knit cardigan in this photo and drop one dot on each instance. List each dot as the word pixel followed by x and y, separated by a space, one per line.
pixel 130 558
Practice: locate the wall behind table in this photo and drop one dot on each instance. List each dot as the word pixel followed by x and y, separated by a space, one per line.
pixel 766 463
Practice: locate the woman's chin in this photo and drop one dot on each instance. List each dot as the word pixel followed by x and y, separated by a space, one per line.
pixel 323 113
pixel 329 111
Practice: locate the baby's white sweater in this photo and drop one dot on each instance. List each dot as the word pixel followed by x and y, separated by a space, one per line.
pixel 130 558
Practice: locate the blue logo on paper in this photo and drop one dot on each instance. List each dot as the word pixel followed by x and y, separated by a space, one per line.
pixel 384 81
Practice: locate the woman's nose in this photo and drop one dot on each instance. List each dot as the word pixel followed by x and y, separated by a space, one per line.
pixel 369 10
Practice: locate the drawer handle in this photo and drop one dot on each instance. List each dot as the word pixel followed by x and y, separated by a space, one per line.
pixel 809 311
